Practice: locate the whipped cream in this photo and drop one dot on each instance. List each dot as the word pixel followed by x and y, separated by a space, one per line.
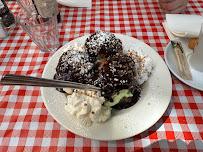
pixel 87 107
pixel 143 65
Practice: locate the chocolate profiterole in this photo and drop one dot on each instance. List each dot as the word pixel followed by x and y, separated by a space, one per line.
pixel 74 66
pixel 117 73
pixel 102 44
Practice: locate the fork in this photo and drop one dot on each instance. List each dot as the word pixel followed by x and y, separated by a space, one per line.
pixel 13 79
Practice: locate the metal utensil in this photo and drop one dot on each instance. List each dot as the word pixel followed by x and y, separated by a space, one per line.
pixel 12 79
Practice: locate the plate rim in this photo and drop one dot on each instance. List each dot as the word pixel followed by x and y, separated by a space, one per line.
pixel 86 136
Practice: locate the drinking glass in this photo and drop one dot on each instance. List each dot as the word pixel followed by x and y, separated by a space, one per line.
pixel 24 4
pixel 44 33
pixel 196 57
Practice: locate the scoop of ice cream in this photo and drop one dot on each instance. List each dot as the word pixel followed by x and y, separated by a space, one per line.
pixel 87 106
pixel 102 44
pixel 117 97
pixel 143 65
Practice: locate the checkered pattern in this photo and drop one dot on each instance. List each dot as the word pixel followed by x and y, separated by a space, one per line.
pixel 26 125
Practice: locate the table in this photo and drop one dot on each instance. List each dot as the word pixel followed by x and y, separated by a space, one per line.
pixel 26 125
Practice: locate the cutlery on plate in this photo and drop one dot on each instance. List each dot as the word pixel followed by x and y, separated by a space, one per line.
pixel 12 79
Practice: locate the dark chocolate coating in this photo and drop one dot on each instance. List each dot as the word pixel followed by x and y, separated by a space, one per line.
pixel 74 66
pixel 102 44
pixel 117 73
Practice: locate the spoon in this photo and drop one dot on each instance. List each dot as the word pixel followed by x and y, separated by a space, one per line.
pixel 13 79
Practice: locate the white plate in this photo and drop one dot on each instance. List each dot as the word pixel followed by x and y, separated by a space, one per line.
pixel 126 123
pixel 197 77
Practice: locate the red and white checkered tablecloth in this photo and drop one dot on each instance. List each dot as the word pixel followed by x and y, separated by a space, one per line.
pixel 26 125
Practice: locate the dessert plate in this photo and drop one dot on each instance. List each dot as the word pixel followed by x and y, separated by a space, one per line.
pixel 197 77
pixel 155 97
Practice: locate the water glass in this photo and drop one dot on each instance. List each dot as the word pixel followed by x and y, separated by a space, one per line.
pixel 44 33
pixel 24 4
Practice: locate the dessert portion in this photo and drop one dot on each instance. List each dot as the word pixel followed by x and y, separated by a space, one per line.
pixel 117 73
pixel 102 44
pixel 74 65
pixel 87 106
pixel 102 62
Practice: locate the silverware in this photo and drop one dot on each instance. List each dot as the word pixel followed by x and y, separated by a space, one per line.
pixel 12 79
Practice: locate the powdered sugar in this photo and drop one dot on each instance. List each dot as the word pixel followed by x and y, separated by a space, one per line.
pixel 77 58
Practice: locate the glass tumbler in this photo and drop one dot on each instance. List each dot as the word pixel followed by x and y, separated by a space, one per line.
pixel 24 4
pixel 44 33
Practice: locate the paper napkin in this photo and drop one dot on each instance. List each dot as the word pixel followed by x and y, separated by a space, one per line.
pixel 182 25
pixel 76 3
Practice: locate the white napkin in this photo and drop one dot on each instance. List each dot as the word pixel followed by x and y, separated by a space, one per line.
pixel 76 3
pixel 182 25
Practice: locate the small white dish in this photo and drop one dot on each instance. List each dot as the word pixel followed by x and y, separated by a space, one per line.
pixel 155 97
pixel 76 3
pixel 197 77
